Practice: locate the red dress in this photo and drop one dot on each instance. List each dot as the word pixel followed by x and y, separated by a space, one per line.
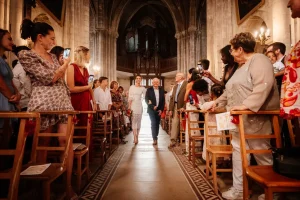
pixel 81 100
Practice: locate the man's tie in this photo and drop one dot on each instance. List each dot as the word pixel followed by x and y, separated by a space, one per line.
pixel 177 91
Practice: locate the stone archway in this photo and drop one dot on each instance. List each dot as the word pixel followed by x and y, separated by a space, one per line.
pixel 104 34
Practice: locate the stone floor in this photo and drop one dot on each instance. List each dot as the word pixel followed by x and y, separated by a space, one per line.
pixel 147 171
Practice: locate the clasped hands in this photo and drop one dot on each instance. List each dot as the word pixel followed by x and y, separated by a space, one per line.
pixel 155 108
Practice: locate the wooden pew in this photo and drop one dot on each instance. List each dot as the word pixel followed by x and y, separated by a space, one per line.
pixel 13 174
pixel 263 175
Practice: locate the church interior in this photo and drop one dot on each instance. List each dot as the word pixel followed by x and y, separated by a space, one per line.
pixel 76 82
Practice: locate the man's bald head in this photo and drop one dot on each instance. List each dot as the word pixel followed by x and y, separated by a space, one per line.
pixel 179 77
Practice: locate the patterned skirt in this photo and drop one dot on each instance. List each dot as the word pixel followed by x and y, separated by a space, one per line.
pixel 50 98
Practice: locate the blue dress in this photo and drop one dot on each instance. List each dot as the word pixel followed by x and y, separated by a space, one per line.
pixel 7 75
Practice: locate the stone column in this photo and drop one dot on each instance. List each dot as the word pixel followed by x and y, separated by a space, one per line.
pixel 192 47
pixel 219 31
pixel 281 22
pixel 16 17
pixel 4 14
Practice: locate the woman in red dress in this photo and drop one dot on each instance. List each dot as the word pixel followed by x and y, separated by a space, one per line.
pixel 80 88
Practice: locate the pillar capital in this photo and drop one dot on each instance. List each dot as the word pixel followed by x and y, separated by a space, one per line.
pixel 192 29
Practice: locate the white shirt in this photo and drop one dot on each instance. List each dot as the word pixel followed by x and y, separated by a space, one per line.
pixel 278 66
pixel 102 98
pixel 209 82
pixel 178 89
pixel 156 91
pixel 23 84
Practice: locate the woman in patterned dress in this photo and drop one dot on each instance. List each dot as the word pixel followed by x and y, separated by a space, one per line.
pixel 135 104
pixel 117 105
pixel 49 91
pixel 290 88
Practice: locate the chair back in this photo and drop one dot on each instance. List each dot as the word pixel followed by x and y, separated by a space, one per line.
pixel 85 135
pixel 68 135
pixel 100 122
pixel 212 125
pixel 13 175
pixel 190 122
pixel 246 136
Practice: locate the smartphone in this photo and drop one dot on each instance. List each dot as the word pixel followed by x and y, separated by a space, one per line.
pixel 91 78
pixel 66 53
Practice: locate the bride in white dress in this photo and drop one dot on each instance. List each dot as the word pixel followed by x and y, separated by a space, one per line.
pixel 135 104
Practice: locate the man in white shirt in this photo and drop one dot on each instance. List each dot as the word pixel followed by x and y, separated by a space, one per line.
pixel 102 95
pixel 21 80
pixel 205 64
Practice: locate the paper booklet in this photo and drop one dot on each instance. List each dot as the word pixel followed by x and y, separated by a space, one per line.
pixel 35 170
pixel 75 145
pixel 224 122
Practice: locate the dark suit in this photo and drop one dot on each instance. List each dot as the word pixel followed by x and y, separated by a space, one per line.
pixel 151 102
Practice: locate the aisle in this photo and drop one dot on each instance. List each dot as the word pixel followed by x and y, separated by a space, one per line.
pixel 148 172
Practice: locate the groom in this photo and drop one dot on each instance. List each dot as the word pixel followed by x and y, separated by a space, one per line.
pixel 155 99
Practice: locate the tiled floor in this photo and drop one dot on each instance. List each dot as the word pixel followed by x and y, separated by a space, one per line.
pixel 148 172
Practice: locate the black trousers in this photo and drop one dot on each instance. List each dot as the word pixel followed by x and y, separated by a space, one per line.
pixel 155 120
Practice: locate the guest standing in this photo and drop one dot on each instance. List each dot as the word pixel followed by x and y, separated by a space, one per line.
pixel 177 102
pixel 290 90
pixel 229 69
pixel 136 92
pixel 21 80
pixel 155 99
pixel 77 81
pixel 58 52
pixel 252 87
pixel 9 95
pixel 49 91
pixel 102 95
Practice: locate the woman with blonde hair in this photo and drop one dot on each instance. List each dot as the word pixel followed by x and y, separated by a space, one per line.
pixel 77 81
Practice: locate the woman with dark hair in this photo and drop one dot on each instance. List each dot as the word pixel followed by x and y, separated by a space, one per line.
pixel 192 103
pixel 252 87
pixel 96 84
pixel 9 94
pixel 229 69
pixel 49 91
pixel 58 51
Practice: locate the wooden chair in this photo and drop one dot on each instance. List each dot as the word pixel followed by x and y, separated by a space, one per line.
pixel 192 138
pixel 116 127
pixel 291 133
pixel 263 175
pixel 55 170
pixel 182 128
pixel 102 132
pixel 80 153
pixel 215 151
pixel 13 174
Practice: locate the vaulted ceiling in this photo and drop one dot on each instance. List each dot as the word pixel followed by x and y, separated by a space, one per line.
pixel 116 14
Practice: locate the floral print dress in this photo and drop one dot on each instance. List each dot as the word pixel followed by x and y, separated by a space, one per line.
pixel 290 89
pixel 45 96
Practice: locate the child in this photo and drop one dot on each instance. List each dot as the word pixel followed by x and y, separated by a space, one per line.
pixel 277 65
pixel 216 91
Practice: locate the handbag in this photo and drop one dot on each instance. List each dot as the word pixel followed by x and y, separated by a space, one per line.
pixel 286 161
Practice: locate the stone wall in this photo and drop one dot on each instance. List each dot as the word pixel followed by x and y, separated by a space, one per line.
pixel 75 29
pixel 222 26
